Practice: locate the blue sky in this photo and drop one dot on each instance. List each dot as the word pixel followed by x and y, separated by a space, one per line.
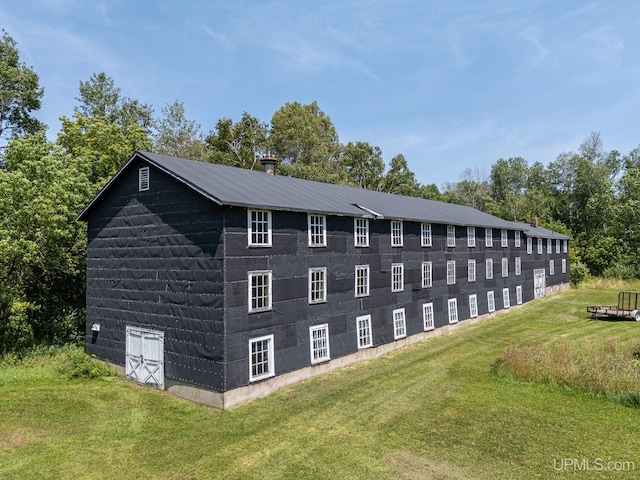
pixel 451 85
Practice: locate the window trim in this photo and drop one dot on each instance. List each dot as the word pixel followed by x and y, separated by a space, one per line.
pixel 451 236
pixel 250 228
pixel 359 330
pixel 552 267
pixel 270 360
pixel 397 268
pixel 254 274
pixel 517 238
pixel 471 236
pixel 564 265
pixel 361 233
pixel 565 246
pixel 428 316
pixel 539 246
pixel 365 269
pixel 397 233
pixel 506 301
pixel 144 177
pixel 519 294
pixel 549 246
pixel 322 225
pixel 491 301
pixel 488 238
pixel 471 271
pixel 313 346
pixel 323 298
pixel 451 272
pixel 488 268
pixel 425 235
pixel 398 315
pixel 453 313
pixel 529 245
pixel 518 266
pixel 473 305
pixel 505 267
pixel 504 238
pixel 427 274
pixel 557 246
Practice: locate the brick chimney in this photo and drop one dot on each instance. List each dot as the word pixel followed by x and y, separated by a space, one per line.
pixel 534 222
pixel 269 163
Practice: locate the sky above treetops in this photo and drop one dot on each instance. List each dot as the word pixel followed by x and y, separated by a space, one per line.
pixel 451 85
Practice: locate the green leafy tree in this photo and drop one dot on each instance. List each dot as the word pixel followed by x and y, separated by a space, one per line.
pixel 363 165
pixel 177 136
pixel 106 128
pixel 42 248
pixel 20 94
pixel 238 144
pixel 399 179
pixel 303 134
pixel 472 190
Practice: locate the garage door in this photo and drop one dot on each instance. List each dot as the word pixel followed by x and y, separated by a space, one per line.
pixel 145 356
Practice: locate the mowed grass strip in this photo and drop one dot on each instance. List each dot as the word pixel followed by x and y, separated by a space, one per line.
pixel 434 410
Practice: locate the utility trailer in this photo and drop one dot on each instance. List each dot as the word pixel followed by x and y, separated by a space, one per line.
pixel 627 308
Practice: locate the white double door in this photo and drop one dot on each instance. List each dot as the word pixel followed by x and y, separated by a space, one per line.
pixel 145 356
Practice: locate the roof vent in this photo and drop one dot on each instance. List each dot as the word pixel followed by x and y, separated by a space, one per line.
pixel 269 163
pixel 534 222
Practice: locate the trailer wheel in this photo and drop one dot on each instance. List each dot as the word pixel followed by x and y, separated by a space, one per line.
pixel 636 315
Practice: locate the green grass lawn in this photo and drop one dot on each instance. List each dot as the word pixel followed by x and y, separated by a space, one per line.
pixel 430 411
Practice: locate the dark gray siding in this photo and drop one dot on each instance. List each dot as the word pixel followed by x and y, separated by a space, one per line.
pixel 290 257
pixel 155 260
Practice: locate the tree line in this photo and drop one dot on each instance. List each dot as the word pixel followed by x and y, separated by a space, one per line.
pixel 591 194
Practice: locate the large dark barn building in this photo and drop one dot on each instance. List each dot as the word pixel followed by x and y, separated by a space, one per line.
pixel 222 284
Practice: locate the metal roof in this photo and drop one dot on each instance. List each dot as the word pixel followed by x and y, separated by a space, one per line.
pixel 247 188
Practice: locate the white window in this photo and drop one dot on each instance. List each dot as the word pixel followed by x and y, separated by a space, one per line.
pixel 504 239
pixel 427 275
pixel 261 358
pixel 517 239
pixel 451 272
pixel 427 316
pixel 491 301
pixel 505 267
pixel 399 324
pixel 451 236
pixel 259 222
pixel 319 342
pixel 363 326
pixel 488 237
pixel 453 310
pixel 362 280
pixel 549 247
pixel 259 291
pixel 471 236
pixel 505 298
pixel 318 285
pixel 397 277
pixel 564 265
pixel 519 294
pixel 361 232
pixel 529 245
pixel 471 271
pixel 564 246
pixel 143 179
pixel 489 268
pixel 396 233
pixel 473 306
pixel 425 235
pixel 518 266
pixel 317 226
pixel 539 246
pixel 551 268
pixel 557 246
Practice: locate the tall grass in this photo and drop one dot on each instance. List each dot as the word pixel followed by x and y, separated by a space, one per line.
pixel 607 367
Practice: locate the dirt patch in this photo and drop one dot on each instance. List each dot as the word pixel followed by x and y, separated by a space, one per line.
pixel 15 440
pixel 412 467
